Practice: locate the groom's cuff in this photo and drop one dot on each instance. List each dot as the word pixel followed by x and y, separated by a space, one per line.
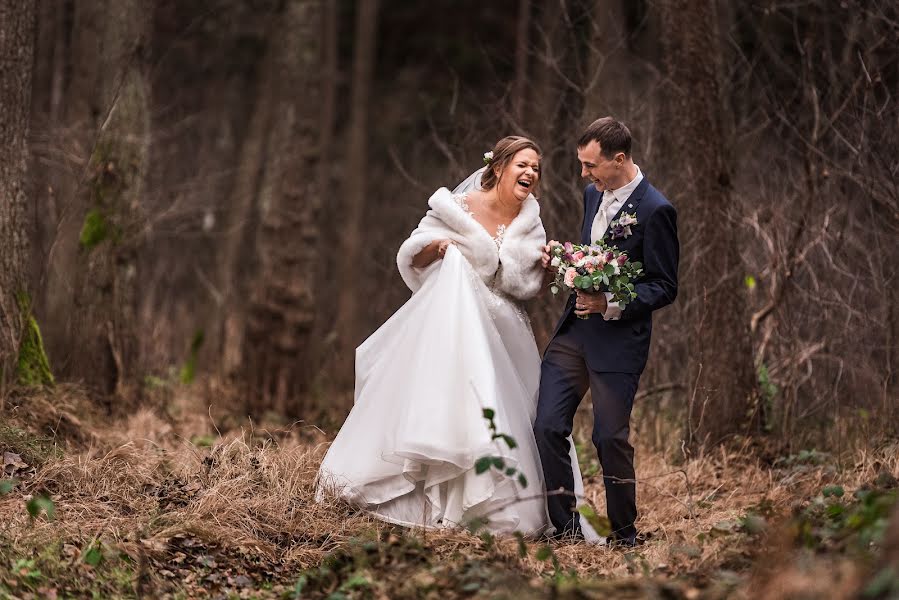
pixel 613 310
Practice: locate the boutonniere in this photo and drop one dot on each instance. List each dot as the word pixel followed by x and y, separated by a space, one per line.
pixel 621 228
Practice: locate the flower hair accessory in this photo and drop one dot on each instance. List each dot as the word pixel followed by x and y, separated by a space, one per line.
pixel 488 156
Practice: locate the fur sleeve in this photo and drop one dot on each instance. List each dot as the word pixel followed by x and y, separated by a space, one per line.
pixel 440 223
pixel 426 232
pixel 521 275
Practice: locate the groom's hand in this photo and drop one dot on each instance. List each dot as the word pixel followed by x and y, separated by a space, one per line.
pixel 590 302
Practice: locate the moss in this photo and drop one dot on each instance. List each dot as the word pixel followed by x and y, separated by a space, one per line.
pixel 33 368
pixel 95 229
pixel 107 183
pixel 189 369
pixel 35 450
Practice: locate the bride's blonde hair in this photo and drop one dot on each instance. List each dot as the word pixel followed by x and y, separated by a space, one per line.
pixel 503 152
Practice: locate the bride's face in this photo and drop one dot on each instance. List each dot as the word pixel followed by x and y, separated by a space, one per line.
pixel 520 176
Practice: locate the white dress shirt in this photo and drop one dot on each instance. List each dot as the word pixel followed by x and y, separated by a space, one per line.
pixel 612 201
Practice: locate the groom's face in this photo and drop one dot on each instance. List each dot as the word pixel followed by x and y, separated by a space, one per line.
pixel 603 172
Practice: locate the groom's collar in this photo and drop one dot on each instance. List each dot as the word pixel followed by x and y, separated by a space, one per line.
pixel 624 192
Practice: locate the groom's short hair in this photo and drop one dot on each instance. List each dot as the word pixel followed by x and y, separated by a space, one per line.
pixel 611 135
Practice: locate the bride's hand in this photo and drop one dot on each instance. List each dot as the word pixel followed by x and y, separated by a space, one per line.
pixel 546 258
pixel 442 246
pixel 433 251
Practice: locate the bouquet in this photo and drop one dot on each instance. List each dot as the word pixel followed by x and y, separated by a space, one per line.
pixel 596 268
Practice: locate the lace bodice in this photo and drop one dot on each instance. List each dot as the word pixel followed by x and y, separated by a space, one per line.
pixel 495 299
pixel 462 201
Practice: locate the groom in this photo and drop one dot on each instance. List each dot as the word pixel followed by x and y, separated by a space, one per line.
pixel 608 350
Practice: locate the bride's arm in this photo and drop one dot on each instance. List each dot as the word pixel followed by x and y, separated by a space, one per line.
pixel 430 253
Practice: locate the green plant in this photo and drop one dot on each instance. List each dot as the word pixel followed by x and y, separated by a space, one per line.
pixel 41 503
pixel 857 523
pixel 483 464
pixel 26 571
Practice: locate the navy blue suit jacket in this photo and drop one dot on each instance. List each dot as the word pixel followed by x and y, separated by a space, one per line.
pixel 623 346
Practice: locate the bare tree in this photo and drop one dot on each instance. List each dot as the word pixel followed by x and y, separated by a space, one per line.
pixel 816 88
pixel 106 283
pixel 16 57
pixel 357 184
pixel 282 301
pixel 522 51
pixel 720 367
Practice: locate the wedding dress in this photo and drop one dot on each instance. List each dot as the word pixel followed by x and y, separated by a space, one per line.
pixel 461 344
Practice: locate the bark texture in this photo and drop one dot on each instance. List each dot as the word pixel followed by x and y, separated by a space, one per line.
pixel 105 322
pixel 357 185
pixel 16 64
pixel 282 302
pixel 720 368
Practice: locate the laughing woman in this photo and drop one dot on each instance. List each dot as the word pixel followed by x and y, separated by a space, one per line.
pixel 462 343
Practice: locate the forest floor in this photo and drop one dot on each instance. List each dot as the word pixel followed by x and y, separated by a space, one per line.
pixel 167 503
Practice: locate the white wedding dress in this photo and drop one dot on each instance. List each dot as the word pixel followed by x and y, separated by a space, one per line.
pixel 407 451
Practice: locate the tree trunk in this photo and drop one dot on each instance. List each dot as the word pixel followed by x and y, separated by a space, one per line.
pixel 522 51
pixel 16 64
pixel 106 278
pixel 282 307
pixel 239 226
pixel 720 367
pixel 357 185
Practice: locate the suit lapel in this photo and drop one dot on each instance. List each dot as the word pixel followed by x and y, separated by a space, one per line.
pixel 630 205
pixel 593 202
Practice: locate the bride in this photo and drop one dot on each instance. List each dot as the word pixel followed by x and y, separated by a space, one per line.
pixel 408 451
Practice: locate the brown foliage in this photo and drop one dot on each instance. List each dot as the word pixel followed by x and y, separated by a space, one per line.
pixel 194 509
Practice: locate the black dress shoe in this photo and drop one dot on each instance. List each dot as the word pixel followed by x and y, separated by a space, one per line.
pixel 567 536
pixel 624 543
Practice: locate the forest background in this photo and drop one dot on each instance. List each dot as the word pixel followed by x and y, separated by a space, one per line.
pixel 206 198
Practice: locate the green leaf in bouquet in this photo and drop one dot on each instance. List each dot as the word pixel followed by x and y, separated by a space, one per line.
pixel 498 462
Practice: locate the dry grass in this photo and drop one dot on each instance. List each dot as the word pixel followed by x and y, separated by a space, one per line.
pixel 164 509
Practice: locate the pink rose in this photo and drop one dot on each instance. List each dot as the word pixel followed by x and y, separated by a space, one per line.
pixel 622 258
pixel 570 274
pixel 590 267
pixel 568 248
pixel 610 256
pixel 577 256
